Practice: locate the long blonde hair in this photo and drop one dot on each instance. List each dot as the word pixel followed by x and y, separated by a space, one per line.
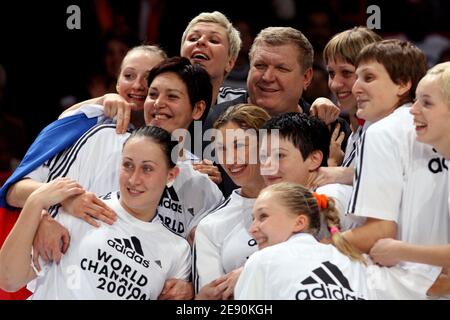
pixel 301 201
pixel 246 116
pixel 441 72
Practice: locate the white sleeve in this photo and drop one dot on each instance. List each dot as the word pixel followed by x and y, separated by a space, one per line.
pixel 90 110
pixel 378 185
pixel 92 160
pixel 207 261
pixel 251 284
pixel 73 162
pixel 212 201
pixel 181 268
pixel 31 286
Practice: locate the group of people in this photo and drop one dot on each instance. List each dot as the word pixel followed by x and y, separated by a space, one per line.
pixel 286 200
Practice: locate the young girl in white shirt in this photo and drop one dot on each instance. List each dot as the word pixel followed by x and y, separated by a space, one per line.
pixel 130 259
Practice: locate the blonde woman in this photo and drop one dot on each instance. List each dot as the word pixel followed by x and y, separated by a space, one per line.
pixel 131 259
pixel 222 241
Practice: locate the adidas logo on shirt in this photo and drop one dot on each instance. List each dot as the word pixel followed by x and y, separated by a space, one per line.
pixel 326 283
pixel 437 165
pixel 169 200
pixel 131 248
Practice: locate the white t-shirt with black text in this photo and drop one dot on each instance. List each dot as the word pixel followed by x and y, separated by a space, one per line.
pixel 222 240
pixel 400 179
pixel 302 268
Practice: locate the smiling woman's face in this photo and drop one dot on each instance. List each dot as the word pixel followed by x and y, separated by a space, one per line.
pixel 207 44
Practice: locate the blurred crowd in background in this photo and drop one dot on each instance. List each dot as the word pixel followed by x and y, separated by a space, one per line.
pixel 45 67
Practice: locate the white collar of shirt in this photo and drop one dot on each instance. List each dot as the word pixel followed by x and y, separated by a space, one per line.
pixel 303 237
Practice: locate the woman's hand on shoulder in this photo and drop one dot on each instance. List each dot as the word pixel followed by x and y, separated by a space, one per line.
pixel 51 241
pixel 207 167
pixel 336 155
pixel 213 290
pixel 115 105
pixel 56 191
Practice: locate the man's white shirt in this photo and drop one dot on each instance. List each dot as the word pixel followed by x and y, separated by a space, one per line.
pixel 222 240
pixel 402 180
pixel 229 94
pixel 130 259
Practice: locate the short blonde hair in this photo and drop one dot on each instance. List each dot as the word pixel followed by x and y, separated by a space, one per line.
pixel 246 116
pixel 347 44
pixel 234 37
pixel 278 36
pixel 441 72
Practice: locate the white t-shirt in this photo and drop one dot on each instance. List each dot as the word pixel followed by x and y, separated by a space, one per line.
pixel 192 196
pixel 222 240
pixel 130 259
pixel 402 180
pixel 301 268
pixel 94 162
